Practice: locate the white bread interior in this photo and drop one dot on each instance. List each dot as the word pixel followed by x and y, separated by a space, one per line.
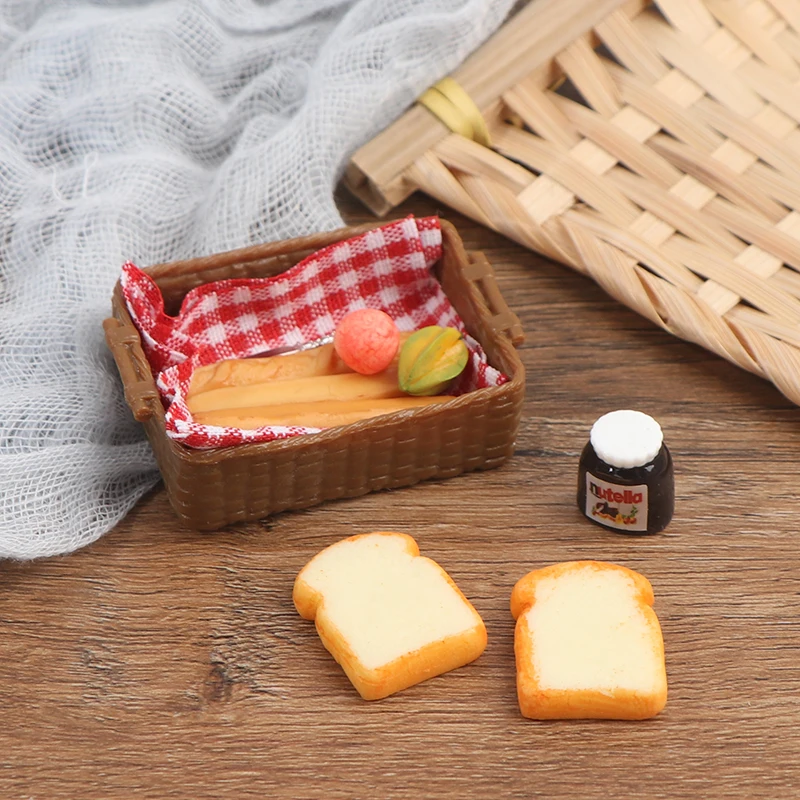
pixel 390 617
pixel 588 643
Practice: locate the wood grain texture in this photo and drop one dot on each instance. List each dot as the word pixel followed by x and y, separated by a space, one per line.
pixel 162 663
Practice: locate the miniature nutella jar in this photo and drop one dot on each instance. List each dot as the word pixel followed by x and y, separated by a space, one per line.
pixel 625 478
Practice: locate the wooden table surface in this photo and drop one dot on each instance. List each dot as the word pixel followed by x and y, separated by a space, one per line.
pixel 162 663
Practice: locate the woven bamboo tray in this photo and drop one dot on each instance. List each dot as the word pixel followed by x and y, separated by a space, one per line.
pixel 651 146
pixel 209 489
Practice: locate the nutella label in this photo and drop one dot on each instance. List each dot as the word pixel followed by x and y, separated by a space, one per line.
pixel 615 506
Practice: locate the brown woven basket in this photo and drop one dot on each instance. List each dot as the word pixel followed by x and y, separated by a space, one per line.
pixel 211 488
pixel 651 146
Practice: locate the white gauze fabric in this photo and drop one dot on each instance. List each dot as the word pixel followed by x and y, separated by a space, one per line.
pixel 152 131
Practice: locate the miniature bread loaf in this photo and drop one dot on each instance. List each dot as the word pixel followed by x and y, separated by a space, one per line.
pixel 588 643
pixel 317 389
pixel 316 361
pixel 390 617
pixel 314 415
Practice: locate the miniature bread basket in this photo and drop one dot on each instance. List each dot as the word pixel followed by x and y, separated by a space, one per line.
pixel 209 489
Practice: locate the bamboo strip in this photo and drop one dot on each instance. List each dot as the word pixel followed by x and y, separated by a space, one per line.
pixel 719 176
pixel 786 279
pixel 611 270
pixel 695 321
pixel 777 329
pixel 583 67
pixel 779 186
pixel 464 155
pixel 662 265
pixel 539 198
pixel 668 114
pixel 616 140
pixel 538 111
pixel 712 264
pixel 690 17
pixel 762 14
pixel 503 210
pixel 773 88
pixel 779 361
pixel 621 36
pixel 789 10
pixel 545 157
pixel 700 66
pixel 737 20
pixel 752 228
pixel 717 295
pixel 790 42
pixel 759 141
pixel 677 213
pixel 678 311
pixel 429 171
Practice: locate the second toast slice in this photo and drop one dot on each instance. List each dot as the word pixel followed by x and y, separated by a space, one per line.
pixel 588 643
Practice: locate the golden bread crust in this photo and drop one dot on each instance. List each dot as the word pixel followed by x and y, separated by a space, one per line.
pixel 538 702
pixel 435 658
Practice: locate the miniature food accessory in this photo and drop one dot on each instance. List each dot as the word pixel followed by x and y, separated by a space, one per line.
pixel 367 340
pixel 313 415
pixel 320 388
pixel 588 644
pixel 625 477
pixel 430 359
pixel 305 363
pixel 389 617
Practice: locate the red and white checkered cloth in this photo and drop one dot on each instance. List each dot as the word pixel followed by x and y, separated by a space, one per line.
pixel 387 268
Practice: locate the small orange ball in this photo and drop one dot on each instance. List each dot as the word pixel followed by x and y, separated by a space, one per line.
pixel 367 340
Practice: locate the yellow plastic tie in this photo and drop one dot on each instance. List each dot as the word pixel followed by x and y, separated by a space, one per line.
pixel 457 110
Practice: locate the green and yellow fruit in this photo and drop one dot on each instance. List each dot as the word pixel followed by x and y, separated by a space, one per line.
pixel 430 359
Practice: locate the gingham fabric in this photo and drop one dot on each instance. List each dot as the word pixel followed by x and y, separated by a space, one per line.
pixel 387 268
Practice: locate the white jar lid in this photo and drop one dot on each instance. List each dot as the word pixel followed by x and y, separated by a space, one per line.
pixel 626 438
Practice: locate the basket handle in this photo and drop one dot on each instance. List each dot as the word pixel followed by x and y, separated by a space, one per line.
pixel 126 348
pixel 504 320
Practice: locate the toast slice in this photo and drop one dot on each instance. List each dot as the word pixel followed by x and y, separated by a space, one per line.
pixel 390 617
pixel 588 643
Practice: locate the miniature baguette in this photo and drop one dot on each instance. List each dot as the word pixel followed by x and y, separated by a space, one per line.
pixel 320 388
pixel 390 617
pixel 315 361
pixel 321 360
pixel 588 644
pixel 313 415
